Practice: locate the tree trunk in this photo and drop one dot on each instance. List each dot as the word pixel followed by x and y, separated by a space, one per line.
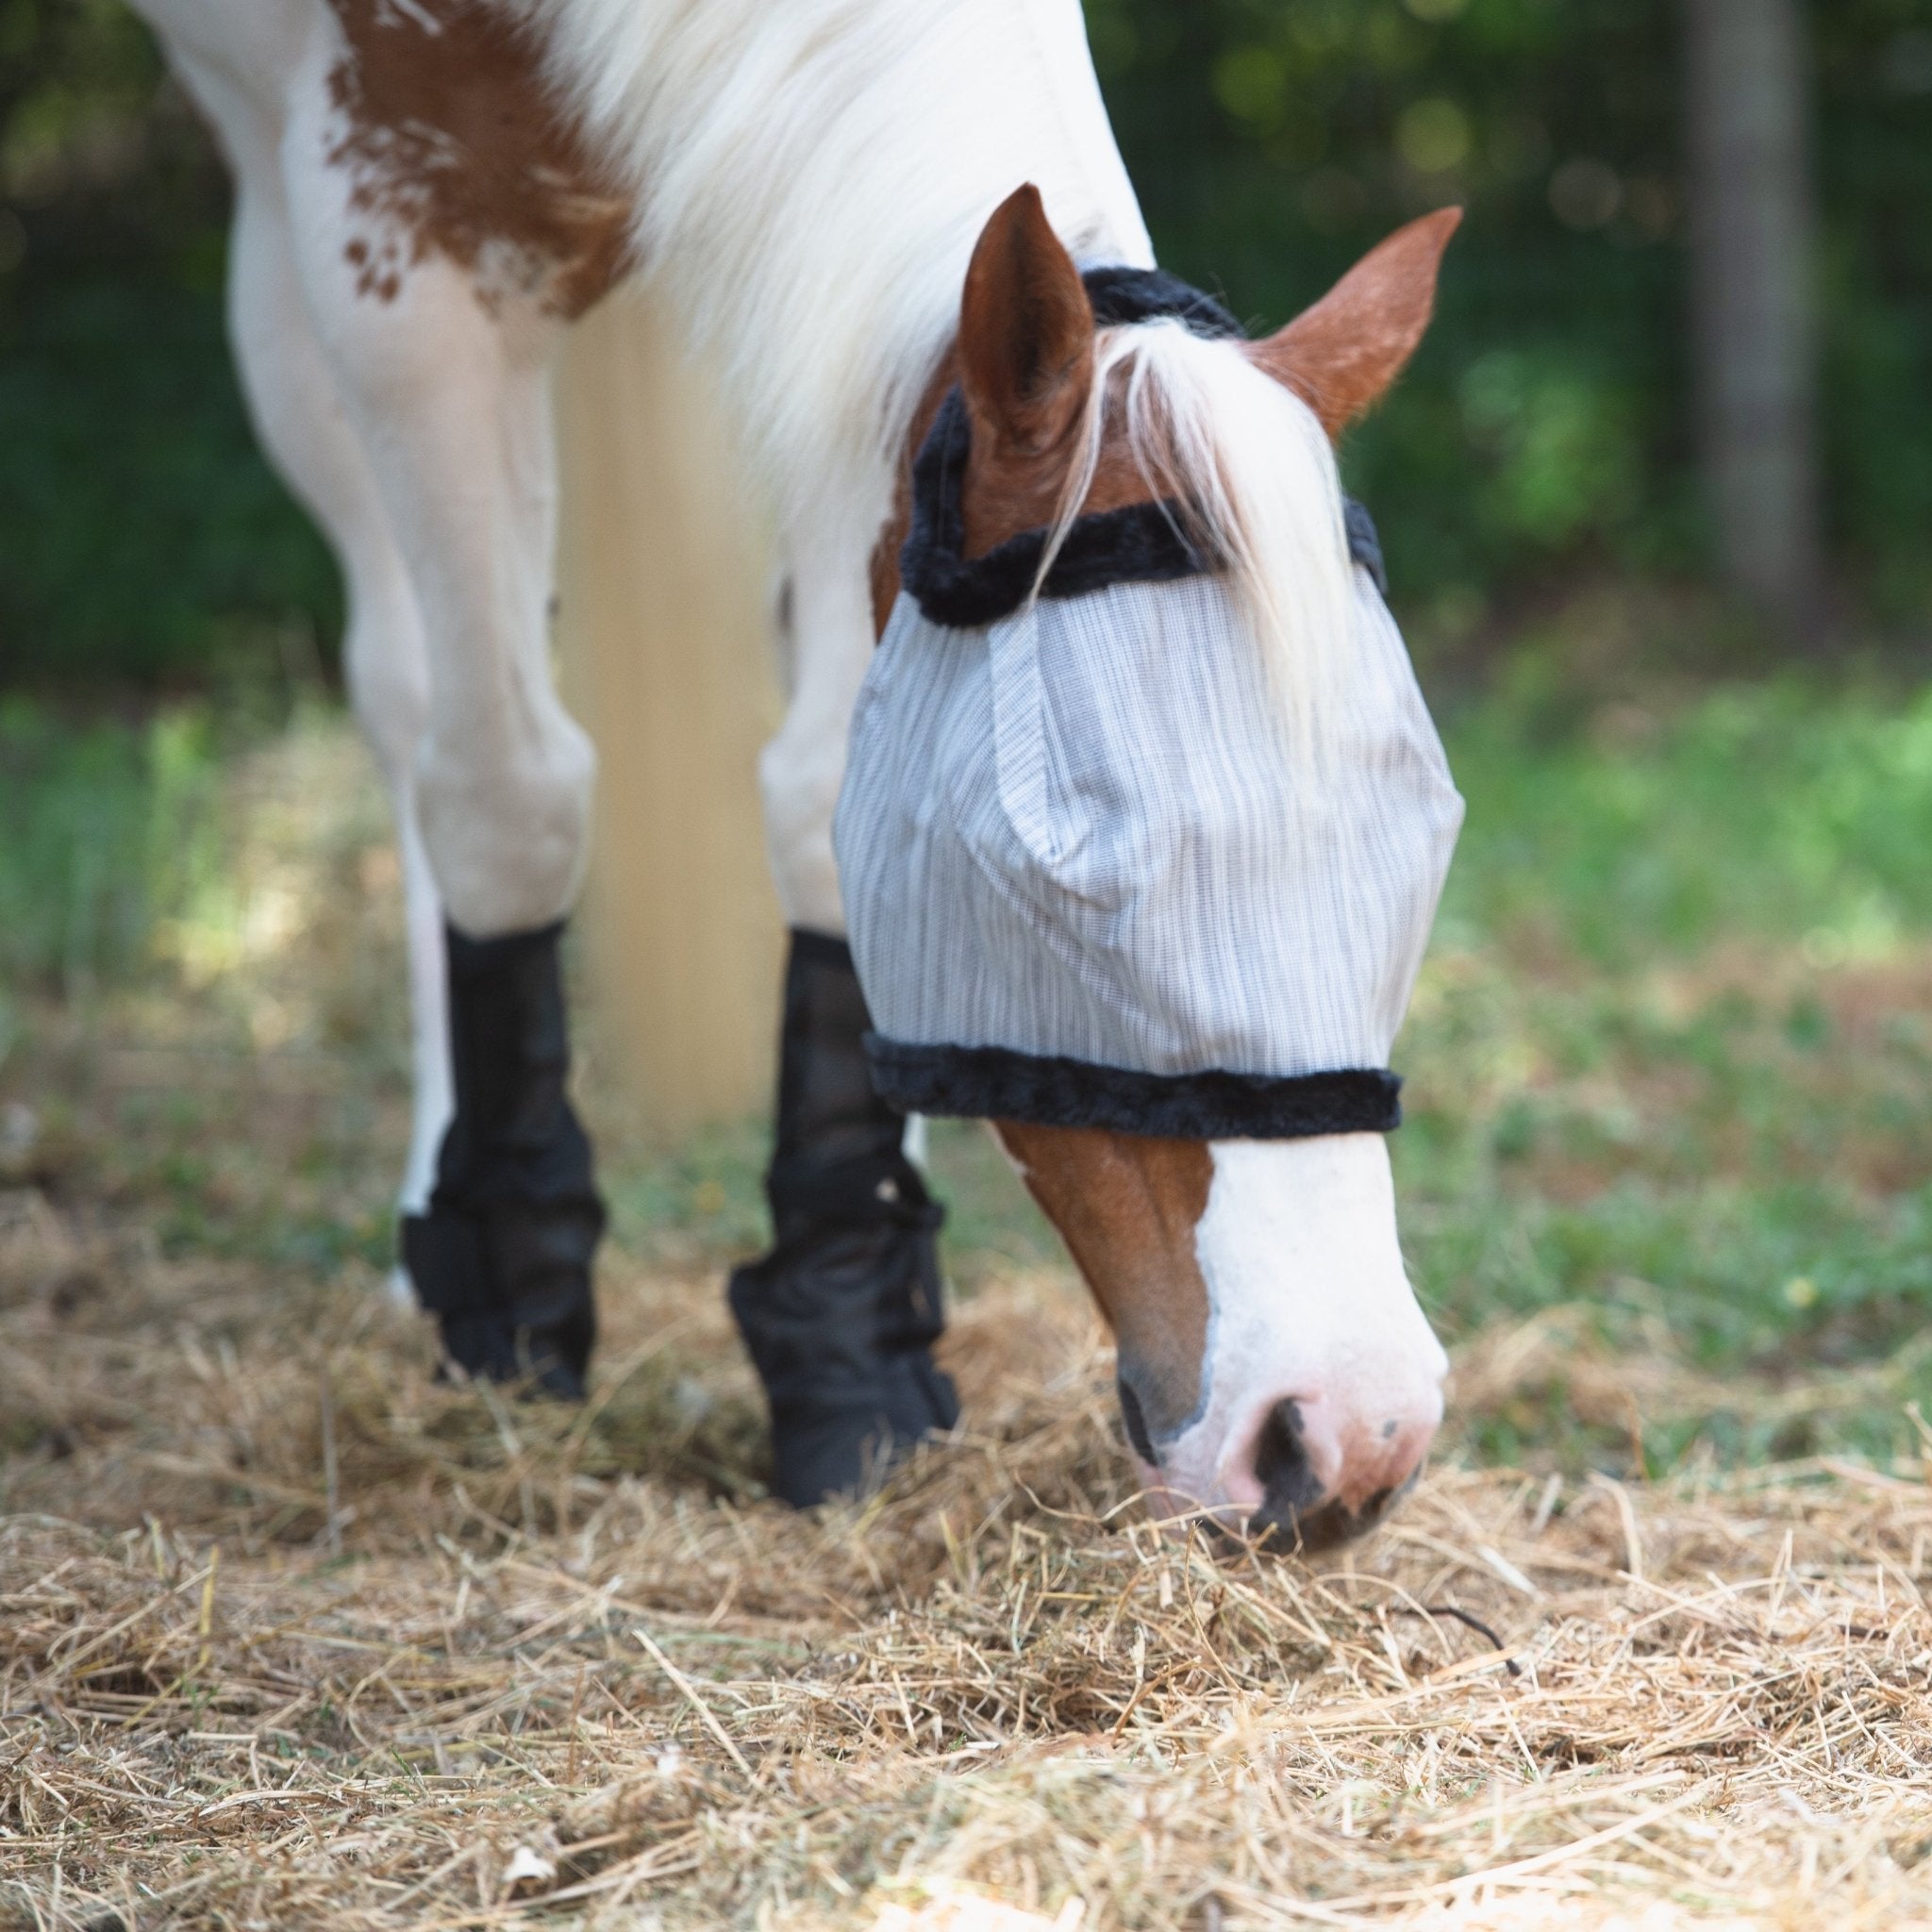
pixel 1754 239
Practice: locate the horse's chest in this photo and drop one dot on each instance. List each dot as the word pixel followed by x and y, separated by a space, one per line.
pixel 456 145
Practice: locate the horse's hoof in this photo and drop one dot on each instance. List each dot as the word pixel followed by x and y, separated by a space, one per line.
pixel 823 1452
pixel 549 1362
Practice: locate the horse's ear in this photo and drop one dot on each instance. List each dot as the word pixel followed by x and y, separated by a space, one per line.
pixel 1025 330
pixel 1342 355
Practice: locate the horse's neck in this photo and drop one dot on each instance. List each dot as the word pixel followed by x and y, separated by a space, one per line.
pixel 1059 47
pixel 810 177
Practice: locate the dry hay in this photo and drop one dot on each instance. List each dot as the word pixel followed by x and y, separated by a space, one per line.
pixel 288 1635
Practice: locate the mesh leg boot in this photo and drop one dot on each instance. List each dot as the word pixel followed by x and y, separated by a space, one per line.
pixel 840 1316
pixel 503 1257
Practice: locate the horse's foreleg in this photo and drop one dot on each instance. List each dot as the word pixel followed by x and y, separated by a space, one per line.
pixel 299 416
pixel 842 1315
pixel 448 392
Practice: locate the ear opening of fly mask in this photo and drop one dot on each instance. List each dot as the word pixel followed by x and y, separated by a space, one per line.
pixel 1088 880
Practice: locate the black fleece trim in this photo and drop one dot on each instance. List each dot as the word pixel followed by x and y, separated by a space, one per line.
pixel 993 1083
pixel 1124 296
pixel 1365 541
pixel 1139 544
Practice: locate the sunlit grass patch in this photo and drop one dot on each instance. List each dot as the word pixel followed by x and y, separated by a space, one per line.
pixel 104 829
pixel 1782 810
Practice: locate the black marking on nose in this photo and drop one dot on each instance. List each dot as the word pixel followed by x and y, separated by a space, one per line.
pixel 1136 1420
pixel 1289 1486
pixel 1295 1514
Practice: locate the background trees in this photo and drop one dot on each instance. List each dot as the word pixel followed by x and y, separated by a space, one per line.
pixel 1556 428
pixel 1753 271
pixel 1552 426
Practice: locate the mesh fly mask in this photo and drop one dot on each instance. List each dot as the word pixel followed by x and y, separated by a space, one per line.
pixel 1088 879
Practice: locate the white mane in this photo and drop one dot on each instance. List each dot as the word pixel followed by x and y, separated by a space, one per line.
pixel 1252 470
pixel 810 178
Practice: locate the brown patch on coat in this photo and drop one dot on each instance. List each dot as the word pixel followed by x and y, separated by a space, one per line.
pixel 1127 1207
pixel 455 139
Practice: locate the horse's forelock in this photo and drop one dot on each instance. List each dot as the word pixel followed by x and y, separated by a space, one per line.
pixel 1247 460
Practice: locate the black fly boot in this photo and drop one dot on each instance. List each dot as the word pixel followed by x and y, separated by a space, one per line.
pixel 503 1257
pixel 842 1315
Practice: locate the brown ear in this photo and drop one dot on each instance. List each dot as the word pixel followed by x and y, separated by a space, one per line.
pixel 1025 330
pixel 1342 355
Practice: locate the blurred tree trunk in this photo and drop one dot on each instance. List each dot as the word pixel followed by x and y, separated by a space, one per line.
pixel 1753 225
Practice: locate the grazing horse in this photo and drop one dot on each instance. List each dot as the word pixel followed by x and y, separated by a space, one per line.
pixel 894 230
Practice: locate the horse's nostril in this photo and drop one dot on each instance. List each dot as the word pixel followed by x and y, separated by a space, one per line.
pixel 1296 1511
pixel 1289 1486
pixel 1136 1420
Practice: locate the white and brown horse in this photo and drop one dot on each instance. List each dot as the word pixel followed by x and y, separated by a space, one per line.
pixel 824 192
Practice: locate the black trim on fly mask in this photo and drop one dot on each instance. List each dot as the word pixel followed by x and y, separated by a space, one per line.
pixel 840 1316
pixel 1137 544
pixel 503 1257
pixel 993 1083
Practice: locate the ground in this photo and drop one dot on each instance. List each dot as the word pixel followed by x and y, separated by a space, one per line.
pixel 291 1635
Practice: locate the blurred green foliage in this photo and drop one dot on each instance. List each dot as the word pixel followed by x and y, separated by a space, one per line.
pixel 1547 426
pixel 1755 814
pixel 1544 433
pixel 141 535
pixel 107 825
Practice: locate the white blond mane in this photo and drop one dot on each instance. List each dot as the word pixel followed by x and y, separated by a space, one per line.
pixel 1250 467
pixel 811 179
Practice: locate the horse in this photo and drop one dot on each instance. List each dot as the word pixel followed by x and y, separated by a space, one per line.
pixel 874 218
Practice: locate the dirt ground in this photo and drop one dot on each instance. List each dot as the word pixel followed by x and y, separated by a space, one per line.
pixel 292 1635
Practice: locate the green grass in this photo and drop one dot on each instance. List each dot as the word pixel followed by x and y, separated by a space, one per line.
pixel 103 826
pixel 1670 1062
pixel 1671 1059
pixel 1770 812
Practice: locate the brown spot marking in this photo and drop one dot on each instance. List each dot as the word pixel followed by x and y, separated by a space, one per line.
pixel 1128 1208
pixel 453 134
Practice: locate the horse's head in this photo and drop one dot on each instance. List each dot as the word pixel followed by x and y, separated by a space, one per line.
pixel 1141 838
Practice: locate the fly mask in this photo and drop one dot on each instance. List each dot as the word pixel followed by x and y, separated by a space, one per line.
pixel 1093 879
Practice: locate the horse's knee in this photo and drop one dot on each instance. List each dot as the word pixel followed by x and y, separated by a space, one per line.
pixel 387 679
pixel 507 826
pixel 799 776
